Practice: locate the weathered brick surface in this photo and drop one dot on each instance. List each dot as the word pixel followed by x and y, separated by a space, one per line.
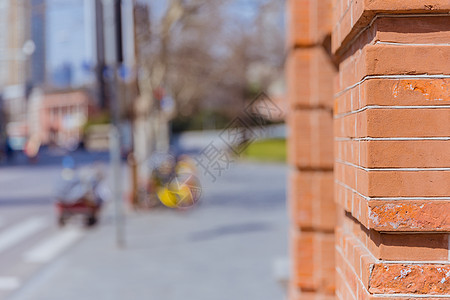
pixel 409 215
pixel 391 148
pixel 394 214
pixel 431 279
pixel 392 157
pixel 398 246
pixel 359 274
pixel 411 91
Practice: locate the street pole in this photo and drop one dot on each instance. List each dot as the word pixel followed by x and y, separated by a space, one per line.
pixel 115 140
pixel 117 189
pixel 100 53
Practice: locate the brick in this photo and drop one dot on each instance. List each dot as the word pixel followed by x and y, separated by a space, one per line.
pixel 391 153
pixel 297 295
pixel 399 6
pixel 311 200
pixel 422 215
pixel 379 297
pixel 410 279
pixel 312 256
pixel 405 183
pixel 293 292
pixel 428 30
pixel 389 278
pixel 409 247
pixel 309 74
pixel 396 215
pixel 354 263
pixel 392 59
pixel 311 139
pixel 395 123
pixel 309 22
pixel 400 246
pixel 302 250
pixel 382 59
pixel 361 13
pixel 395 92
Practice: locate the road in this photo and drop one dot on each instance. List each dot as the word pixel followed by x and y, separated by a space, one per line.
pixel 29 237
pixel 223 249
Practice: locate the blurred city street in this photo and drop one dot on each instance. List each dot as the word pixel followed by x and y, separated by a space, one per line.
pixel 143 150
pixel 225 248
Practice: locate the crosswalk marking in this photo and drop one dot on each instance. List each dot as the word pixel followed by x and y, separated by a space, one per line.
pixel 51 247
pixel 17 233
pixel 9 283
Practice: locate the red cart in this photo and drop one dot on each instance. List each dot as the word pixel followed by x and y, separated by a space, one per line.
pixel 77 194
pixel 88 209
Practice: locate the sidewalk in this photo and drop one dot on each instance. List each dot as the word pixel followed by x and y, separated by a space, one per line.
pixel 223 249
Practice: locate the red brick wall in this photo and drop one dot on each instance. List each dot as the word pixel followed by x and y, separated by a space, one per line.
pixel 392 151
pixel 391 140
pixel 310 72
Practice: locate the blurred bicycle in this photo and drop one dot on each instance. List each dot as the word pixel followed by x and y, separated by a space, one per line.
pixel 172 182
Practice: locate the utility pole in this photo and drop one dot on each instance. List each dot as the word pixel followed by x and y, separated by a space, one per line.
pixel 100 54
pixel 116 155
pixel 115 38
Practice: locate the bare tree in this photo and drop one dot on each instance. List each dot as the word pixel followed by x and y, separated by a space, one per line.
pixel 174 55
pixel 203 55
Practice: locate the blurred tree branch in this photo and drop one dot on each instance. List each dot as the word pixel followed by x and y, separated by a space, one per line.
pixel 203 54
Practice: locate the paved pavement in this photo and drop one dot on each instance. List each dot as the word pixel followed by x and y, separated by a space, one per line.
pixel 29 241
pixel 225 248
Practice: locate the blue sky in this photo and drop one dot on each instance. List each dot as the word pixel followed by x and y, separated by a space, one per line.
pixel 65 35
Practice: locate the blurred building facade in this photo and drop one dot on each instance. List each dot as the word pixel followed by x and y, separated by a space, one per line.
pixel 22 60
pixel 15 26
pixel 62 116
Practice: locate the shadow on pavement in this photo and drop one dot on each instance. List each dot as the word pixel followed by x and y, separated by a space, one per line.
pixel 229 230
